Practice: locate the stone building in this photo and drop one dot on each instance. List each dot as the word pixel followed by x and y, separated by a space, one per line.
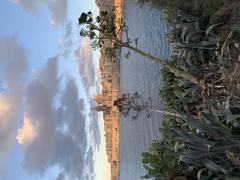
pixel 110 92
pixel 110 81
pixel 111 125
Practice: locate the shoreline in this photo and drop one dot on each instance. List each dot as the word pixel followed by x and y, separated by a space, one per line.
pixel 118 4
pixel 110 80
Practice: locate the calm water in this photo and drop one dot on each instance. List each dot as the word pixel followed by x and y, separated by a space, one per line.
pixel 140 75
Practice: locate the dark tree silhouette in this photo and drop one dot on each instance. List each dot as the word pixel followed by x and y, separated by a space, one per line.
pixel 136 104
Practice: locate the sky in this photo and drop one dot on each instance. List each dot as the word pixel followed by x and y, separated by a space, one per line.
pixel 48 78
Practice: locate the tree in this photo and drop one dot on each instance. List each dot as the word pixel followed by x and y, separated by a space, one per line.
pixel 104 28
pixel 136 104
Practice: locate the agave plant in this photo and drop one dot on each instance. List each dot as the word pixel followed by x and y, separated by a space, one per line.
pixel 204 148
pixel 209 145
pixel 189 32
pixel 199 53
pixel 161 163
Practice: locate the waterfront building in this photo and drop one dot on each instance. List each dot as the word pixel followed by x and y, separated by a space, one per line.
pixel 110 82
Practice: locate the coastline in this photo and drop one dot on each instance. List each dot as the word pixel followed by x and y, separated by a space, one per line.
pixel 119 5
pixel 110 80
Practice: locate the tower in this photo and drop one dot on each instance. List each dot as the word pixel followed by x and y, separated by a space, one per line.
pixel 102 105
pixel 102 108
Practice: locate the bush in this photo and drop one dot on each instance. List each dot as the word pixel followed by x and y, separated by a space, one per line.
pixel 203 8
pixel 161 163
pixel 178 93
pixel 204 148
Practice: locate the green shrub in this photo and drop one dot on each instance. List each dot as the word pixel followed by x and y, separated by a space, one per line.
pixel 209 145
pixel 177 92
pixel 203 8
pixel 204 148
pixel 161 163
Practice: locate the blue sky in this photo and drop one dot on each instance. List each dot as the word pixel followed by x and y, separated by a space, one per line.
pixel 48 76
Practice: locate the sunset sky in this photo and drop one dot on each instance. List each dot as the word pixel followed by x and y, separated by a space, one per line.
pixel 48 77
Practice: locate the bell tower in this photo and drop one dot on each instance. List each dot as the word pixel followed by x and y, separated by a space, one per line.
pixel 101 105
pixel 102 108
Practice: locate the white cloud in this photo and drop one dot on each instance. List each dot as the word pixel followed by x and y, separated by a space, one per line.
pixel 65 41
pixel 61 41
pixel 13 66
pixel 58 8
pixel 27 133
pixel 84 57
pixel 59 11
pixel 50 146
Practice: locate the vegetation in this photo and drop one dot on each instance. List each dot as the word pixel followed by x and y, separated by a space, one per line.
pixel 201 91
pixel 203 8
pixel 206 138
pixel 136 104
pixel 204 148
pixel 103 29
pixel 161 163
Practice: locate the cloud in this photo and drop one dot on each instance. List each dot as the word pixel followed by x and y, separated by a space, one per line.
pixel 59 11
pixel 14 63
pixel 65 41
pixel 13 66
pixel 58 8
pixel 58 118
pixel 61 176
pixel 27 133
pixel 40 95
pixel 5 106
pixel 84 57
pixel 29 5
pixel 8 120
pixel 68 30
pixel 61 41
pixel 89 167
pixel 73 115
pixel 94 129
pixel 90 163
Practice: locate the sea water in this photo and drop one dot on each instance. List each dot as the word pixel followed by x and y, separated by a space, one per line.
pixel 138 74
